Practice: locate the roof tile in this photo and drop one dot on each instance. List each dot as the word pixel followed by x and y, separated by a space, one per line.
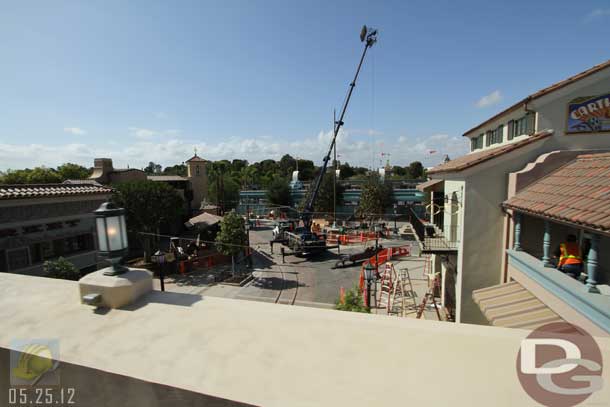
pixel 44 190
pixel 578 193
pixel 472 159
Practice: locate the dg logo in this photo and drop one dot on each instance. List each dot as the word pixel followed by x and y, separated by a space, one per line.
pixel 560 365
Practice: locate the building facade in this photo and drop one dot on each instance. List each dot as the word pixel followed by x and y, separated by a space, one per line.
pixel 193 188
pixel 44 222
pixel 466 195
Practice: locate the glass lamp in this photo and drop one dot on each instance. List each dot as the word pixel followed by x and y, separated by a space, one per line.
pixel 111 236
pixel 369 272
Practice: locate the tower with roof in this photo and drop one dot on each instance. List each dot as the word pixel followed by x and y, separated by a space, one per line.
pixel 196 168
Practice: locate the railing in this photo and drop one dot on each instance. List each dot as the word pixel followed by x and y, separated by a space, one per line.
pixel 595 307
pixel 430 236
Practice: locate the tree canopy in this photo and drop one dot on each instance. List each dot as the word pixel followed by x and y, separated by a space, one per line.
pixel 231 239
pixel 325 199
pixel 376 196
pixel 278 192
pixel 44 175
pixel 148 204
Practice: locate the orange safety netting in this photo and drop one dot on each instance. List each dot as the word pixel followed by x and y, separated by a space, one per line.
pixel 382 257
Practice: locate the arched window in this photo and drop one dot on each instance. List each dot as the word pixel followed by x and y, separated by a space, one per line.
pixel 197 170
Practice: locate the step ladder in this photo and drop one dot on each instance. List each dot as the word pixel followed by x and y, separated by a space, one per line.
pixel 403 296
pixel 429 299
pixel 386 288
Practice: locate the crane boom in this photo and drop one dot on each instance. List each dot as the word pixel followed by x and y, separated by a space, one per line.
pixel 369 37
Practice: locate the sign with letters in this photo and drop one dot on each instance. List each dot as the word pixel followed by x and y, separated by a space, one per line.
pixel 589 114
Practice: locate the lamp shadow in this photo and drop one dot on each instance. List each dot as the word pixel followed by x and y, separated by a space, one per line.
pixel 164 297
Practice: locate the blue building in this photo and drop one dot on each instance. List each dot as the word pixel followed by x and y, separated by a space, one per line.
pixel 255 201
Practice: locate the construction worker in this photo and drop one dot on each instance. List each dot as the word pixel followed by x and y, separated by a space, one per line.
pixel 570 257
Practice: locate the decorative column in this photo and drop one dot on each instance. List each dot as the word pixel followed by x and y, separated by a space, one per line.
pixel 592 265
pixel 546 245
pixel 517 243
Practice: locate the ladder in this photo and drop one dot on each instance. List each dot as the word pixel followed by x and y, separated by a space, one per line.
pixel 403 296
pixel 432 286
pixel 386 287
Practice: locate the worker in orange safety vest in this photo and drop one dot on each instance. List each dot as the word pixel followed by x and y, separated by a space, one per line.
pixel 570 257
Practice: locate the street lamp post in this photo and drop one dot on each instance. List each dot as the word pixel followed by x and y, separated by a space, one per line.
pixel 159 258
pixel 112 236
pixel 249 249
pixel 369 276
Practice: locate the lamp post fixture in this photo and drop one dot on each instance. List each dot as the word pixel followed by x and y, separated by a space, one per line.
pixel 369 276
pixel 377 230
pixel 112 236
pixel 159 258
pixel 249 249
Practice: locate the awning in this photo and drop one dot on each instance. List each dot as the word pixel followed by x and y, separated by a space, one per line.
pixel 428 184
pixel 204 219
pixel 512 306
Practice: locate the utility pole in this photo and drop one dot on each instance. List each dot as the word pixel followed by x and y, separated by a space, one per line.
pixel 335 174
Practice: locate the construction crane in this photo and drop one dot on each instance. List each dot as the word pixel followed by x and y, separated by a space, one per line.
pixel 305 240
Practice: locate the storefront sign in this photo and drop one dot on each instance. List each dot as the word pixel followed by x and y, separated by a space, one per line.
pixel 589 114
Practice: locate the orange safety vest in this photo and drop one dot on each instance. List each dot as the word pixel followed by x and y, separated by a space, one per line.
pixel 570 254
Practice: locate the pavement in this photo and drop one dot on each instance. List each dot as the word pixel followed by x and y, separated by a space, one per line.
pixel 312 282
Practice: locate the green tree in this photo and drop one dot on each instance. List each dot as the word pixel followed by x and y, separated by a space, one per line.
pixel 61 268
pixel 324 200
pixel 375 198
pixel 72 171
pixel 287 165
pixel 352 301
pixel 152 168
pixel 178 169
pixel 278 192
pixel 43 175
pixel 224 191
pixel 231 239
pixel 415 170
pixel 147 205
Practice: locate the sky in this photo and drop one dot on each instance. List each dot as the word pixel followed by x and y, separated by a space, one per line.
pixel 140 81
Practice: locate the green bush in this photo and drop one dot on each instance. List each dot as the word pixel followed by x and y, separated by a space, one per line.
pixel 61 268
pixel 353 302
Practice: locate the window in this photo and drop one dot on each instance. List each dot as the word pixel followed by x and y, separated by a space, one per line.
pixel 18 258
pixel 197 170
pixel 488 138
pixel 523 125
pixel 477 142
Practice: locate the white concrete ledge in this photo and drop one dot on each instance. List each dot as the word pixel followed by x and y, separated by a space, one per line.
pixel 274 355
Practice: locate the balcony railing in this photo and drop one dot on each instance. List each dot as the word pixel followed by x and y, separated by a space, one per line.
pixel 595 307
pixel 430 236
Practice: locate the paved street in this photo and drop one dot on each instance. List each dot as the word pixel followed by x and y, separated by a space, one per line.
pixel 298 281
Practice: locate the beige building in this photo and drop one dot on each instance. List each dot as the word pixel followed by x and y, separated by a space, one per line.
pixel 468 200
pixel 193 188
pixel 44 222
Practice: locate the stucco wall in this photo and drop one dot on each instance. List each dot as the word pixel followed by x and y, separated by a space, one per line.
pixel 482 251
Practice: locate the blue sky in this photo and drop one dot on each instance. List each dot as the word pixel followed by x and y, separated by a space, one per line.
pixel 143 81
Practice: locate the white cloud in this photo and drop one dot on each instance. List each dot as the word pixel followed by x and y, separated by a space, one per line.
pixel 142 133
pixel 75 130
pixel 489 100
pixel 137 152
pixel 597 13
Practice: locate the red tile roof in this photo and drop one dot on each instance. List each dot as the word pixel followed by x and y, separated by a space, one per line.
pixel 25 191
pixel 195 158
pixel 543 92
pixel 472 159
pixel 577 193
